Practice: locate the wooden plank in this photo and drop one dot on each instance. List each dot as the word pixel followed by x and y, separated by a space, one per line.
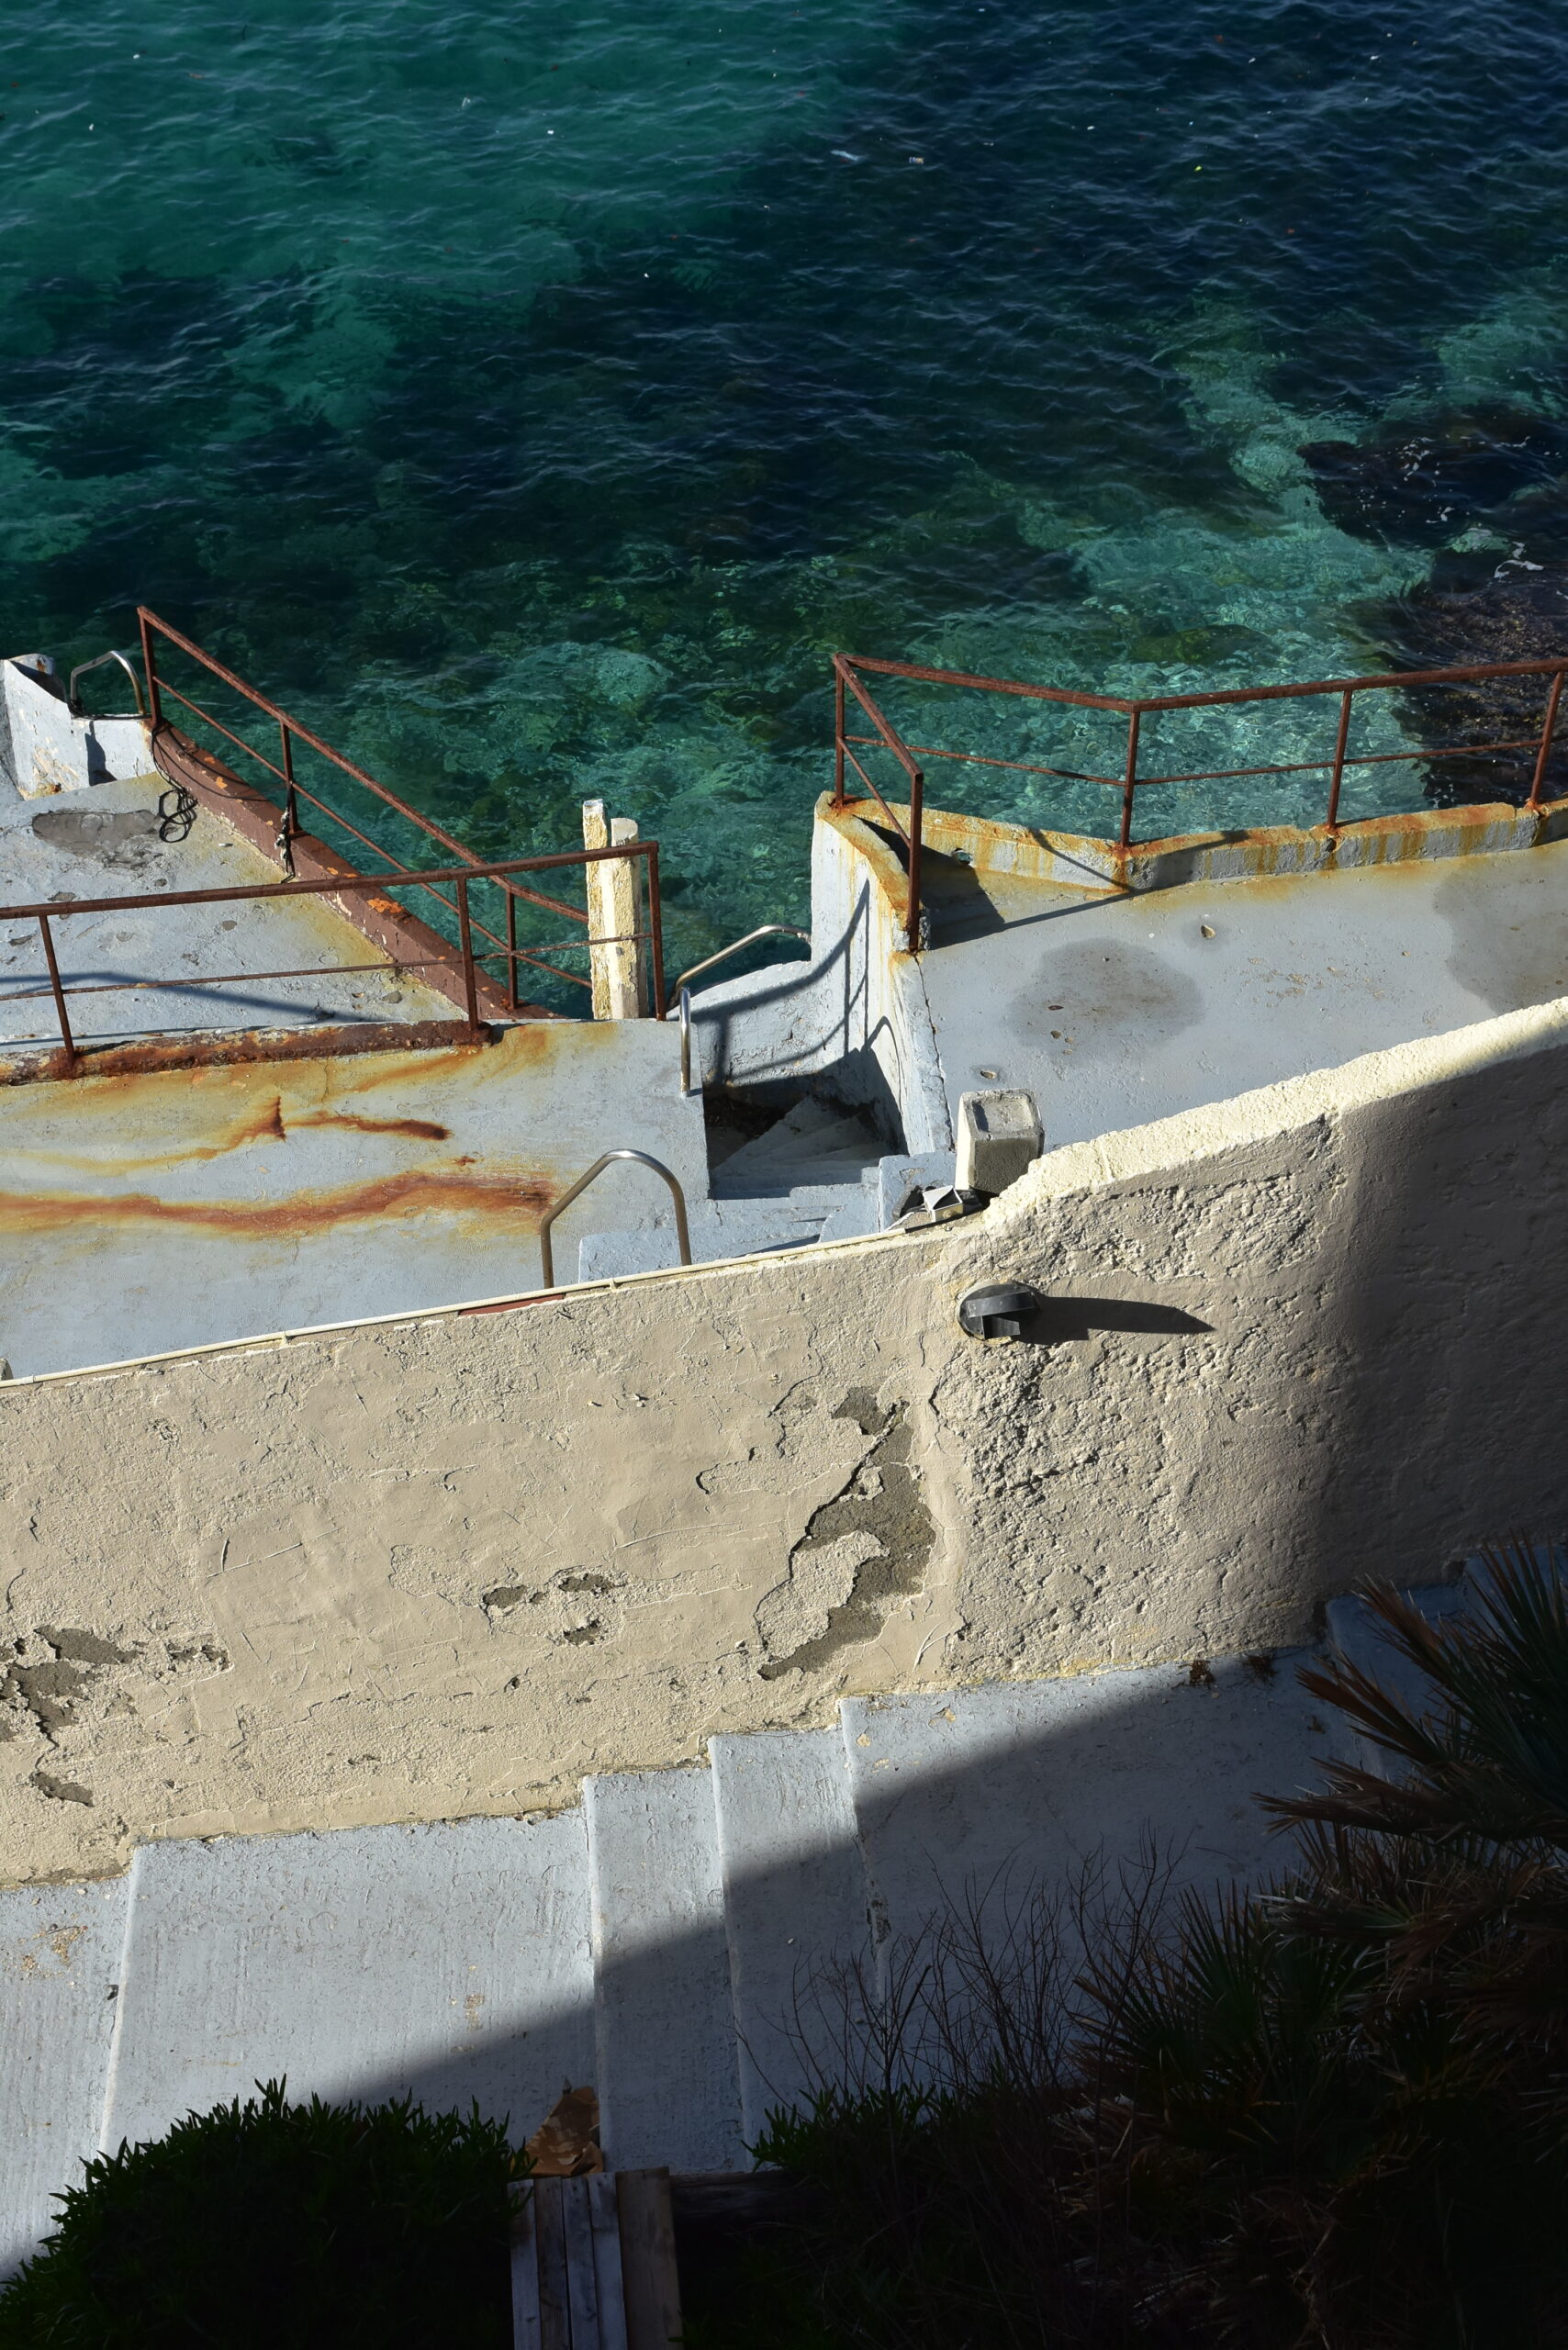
pixel 524 2270
pixel 582 2289
pixel 555 2304
pixel 605 2223
pixel 648 2259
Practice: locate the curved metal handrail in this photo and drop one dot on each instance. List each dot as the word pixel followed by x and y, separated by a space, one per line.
pixel 74 706
pixel 682 1231
pixel 768 930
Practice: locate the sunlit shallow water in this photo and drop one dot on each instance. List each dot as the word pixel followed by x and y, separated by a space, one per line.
pixel 533 396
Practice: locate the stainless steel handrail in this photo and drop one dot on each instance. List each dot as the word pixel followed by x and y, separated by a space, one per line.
pixel 682 1231
pixel 74 705
pixel 768 930
pixel 683 1006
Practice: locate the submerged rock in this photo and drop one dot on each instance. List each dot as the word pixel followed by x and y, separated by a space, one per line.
pixel 1518 613
pixel 1425 485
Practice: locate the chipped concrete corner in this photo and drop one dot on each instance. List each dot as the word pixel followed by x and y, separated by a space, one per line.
pixel 447 1565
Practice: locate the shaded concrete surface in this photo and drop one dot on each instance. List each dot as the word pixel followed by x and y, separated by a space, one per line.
pixel 61 1950
pixel 105 843
pixel 453 1960
pixel 1114 1010
pixel 456 1957
pixel 185 1206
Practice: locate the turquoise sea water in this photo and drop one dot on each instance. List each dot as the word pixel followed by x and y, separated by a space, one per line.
pixel 532 394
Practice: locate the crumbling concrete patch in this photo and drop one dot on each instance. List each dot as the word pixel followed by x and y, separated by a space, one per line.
pixel 865 1547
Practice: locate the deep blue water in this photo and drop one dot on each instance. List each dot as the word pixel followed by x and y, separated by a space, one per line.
pixel 533 395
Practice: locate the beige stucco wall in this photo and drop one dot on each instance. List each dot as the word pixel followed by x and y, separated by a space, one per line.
pixel 446 1565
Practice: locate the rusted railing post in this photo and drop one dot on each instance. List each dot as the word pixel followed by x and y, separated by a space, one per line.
pixel 656 930
pixel 1542 756
pixel 66 1038
pixel 916 837
pixel 1130 782
pixel 837 734
pixel 466 936
pixel 1332 820
pixel 290 824
pixel 149 670
pixel 514 999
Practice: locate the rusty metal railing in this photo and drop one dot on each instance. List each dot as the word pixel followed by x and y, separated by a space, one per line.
pixel 847 680
pixel 467 958
pixel 292 733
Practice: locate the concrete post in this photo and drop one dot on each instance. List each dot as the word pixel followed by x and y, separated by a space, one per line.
pixel 613 902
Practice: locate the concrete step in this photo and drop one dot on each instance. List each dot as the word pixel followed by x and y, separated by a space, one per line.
pixel 811 1144
pixel 795 1897
pixel 61 1948
pixel 960 1795
pixel 451 1961
pixel 661 1942
pixel 667 2069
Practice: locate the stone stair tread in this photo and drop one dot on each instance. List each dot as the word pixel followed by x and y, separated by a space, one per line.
pixel 667 2065
pixel 61 1953
pixel 811 1136
pixel 451 1959
pixel 795 1894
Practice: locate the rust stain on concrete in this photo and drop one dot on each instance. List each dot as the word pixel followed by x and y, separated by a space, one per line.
pixel 520 1198
pixel 420 1129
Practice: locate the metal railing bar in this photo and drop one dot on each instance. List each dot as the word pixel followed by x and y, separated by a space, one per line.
pixel 241 894
pixel 196 979
pixel 977 758
pixel 304 736
pixel 227 732
pixel 66 1038
pixel 1146 704
pixel 683 1006
pixel 346 823
pixel 894 821
pixel 683 1235
pixel 883 725
pixel 767 930
pixel 1237 775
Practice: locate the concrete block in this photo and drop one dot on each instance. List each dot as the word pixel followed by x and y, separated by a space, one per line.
pixel 451 1961
pixel 60 1951
pixel 668 2079
pixel 999 1140
pixel 1024 1781
pixel 795 1896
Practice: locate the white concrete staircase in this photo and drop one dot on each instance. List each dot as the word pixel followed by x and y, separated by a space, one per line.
pixel 653 1940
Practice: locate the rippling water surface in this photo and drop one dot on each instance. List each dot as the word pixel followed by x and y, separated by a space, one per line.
pixel 534 394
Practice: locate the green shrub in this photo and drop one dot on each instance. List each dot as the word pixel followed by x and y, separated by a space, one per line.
pixel 287 2226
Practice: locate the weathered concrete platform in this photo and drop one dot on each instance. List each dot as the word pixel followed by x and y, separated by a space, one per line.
pixel 143 1212
pixel 1116 1009
pixel 105 843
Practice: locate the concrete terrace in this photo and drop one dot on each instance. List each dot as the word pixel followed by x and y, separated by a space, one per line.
pixel 1115 1009
pixel 105 843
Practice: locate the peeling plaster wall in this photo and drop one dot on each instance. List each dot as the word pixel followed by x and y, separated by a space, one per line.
pixel 447 1565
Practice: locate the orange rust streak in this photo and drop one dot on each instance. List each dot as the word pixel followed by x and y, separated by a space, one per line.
pixel 523 1197
pixel 421 1129
pixel 265 1123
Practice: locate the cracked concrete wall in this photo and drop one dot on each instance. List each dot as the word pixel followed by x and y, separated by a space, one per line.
pixel 447 1564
